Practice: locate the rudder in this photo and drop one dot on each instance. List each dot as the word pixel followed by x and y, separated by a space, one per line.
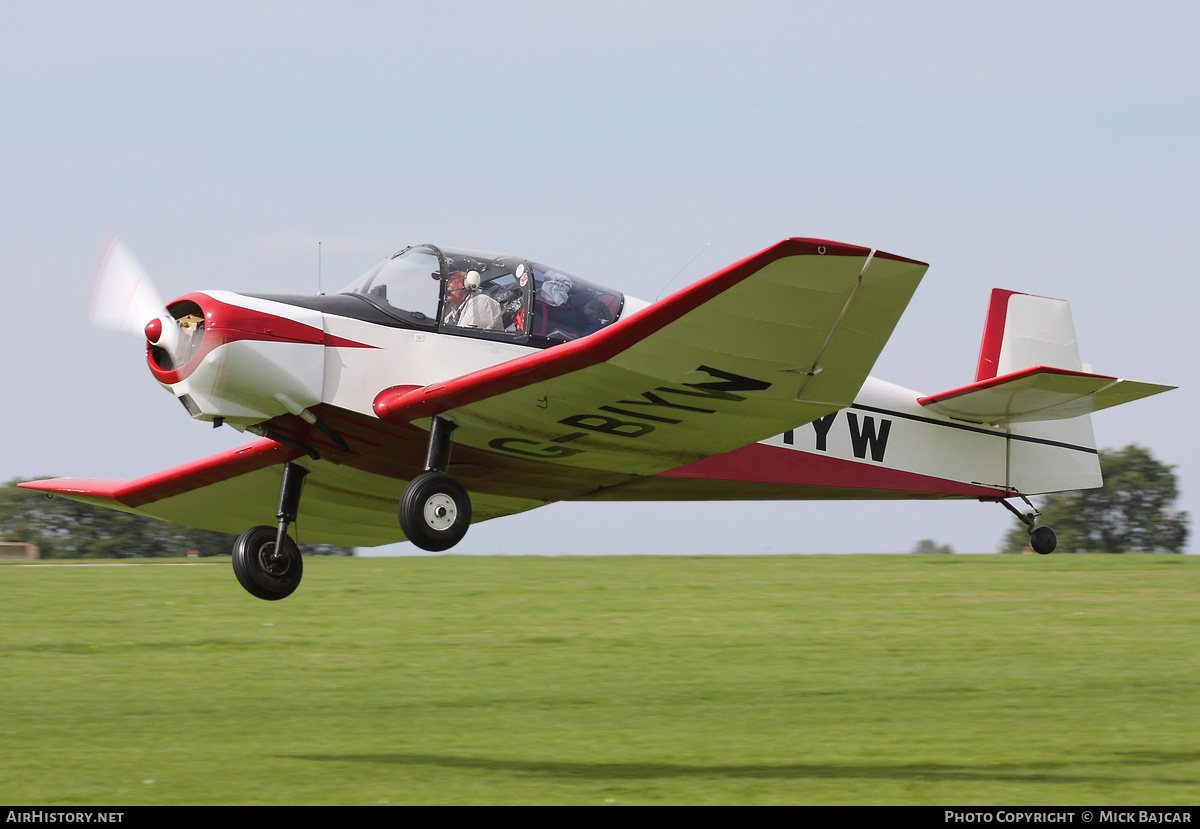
pixel 1023 331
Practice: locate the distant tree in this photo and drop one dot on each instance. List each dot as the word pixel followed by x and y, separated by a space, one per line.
pixel 928 546
pixel 62 528
pixel 1131 513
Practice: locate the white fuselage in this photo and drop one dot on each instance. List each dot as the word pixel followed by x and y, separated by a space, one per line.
pixel 886 438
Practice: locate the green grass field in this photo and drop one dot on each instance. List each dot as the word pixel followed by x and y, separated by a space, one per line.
pixel 1004 680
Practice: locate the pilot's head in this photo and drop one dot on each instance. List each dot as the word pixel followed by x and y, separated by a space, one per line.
pixel 460 284
pixel 456 290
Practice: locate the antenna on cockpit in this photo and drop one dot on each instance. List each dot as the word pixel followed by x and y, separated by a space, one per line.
pixel 319 291
pixel 681 270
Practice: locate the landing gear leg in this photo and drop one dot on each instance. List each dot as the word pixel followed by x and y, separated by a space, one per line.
pixel 1041 539
pixel 289 499
pixel 435 510
pixel 266 561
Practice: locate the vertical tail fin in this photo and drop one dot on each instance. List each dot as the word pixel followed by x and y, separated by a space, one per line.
pixel 1024 331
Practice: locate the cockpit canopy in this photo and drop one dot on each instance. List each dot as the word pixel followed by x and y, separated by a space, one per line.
pixel 486 295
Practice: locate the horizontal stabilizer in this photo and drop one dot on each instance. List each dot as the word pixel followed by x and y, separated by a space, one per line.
pixel 1037 394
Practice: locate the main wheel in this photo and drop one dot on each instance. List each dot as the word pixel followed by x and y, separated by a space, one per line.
pixel 265 573
pixel 435 511
pixel 1043 540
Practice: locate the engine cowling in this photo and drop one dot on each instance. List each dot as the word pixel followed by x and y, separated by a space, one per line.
pixel 238 358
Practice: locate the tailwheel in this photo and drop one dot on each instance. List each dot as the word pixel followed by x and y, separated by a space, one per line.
pixel 1043 540
pixel 435 511
pixel 265 572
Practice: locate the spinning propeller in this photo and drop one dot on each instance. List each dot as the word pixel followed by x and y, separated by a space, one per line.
pixel 124 299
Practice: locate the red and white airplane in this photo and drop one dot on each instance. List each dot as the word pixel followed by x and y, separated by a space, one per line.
pixel 749 384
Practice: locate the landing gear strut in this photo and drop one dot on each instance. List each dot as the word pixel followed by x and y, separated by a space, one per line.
pixel 1041 539
pixel 435 510
pixel 266 561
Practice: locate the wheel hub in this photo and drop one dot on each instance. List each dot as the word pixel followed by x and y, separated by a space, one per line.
pixel 440 512
pixel 276 564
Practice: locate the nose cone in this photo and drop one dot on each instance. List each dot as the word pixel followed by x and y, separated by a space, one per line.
pixel 176 338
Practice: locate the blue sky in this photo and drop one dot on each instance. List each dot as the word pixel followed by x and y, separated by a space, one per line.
pixel 1041 147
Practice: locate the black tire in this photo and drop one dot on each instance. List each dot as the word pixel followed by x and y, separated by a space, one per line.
pixel 1043 540
pixel 435 511
pixel 264 574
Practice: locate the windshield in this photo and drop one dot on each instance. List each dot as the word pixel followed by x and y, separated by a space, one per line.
pixel 487 295
pixel 408 281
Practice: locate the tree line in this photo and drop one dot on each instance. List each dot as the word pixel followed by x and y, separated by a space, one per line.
pixel 1132 513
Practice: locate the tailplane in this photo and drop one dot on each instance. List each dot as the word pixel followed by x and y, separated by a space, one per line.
pixel 1029 380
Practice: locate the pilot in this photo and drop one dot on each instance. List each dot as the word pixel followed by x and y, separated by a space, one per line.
pixel 468 306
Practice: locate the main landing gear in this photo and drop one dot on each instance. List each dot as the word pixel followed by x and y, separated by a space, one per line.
pixel 1041 539
pixel 435 510
pixel 266 560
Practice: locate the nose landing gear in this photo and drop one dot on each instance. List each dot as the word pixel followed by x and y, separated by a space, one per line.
pixel 434 511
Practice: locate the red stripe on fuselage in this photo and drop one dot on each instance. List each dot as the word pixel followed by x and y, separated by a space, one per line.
pixel 227 323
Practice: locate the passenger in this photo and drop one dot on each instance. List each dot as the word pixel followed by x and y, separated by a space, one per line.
pixel 555 289
pixel 561 320
pixel 468 306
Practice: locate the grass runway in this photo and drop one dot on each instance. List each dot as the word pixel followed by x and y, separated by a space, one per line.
pixel 1001 680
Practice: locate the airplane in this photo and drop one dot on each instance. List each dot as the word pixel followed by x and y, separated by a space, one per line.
pixel 752 383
